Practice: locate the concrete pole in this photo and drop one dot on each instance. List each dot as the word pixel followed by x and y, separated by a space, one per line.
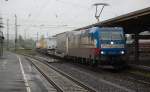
pixel 16 33
pixel 37 36
pixel 7 34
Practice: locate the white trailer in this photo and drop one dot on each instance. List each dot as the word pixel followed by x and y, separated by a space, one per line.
pixel 51 43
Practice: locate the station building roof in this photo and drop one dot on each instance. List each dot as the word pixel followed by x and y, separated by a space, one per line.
pixel 137 21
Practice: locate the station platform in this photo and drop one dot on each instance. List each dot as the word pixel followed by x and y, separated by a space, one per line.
pixel 18 75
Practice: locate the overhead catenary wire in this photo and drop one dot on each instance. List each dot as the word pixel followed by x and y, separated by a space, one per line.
pixel 73 4
pixel 39 12
pixel 46 26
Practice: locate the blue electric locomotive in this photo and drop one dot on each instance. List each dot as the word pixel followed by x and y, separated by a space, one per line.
pixel 110 43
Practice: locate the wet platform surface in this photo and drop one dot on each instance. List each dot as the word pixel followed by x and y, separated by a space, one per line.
pixel 19 75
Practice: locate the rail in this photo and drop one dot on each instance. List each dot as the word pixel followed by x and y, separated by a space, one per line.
pixel 81 85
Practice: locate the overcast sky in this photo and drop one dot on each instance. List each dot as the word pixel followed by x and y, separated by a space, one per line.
pixel 48 16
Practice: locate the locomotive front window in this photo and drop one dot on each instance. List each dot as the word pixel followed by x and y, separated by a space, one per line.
pixel 110 35
pixel 117 36
pixel 106 35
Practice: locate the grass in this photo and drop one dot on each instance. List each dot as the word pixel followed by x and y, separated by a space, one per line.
pixel 141 73
pixel 26 51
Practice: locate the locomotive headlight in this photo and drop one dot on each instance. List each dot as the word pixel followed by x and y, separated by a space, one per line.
pixel 112 43
pixel 102 52
pixel 122 52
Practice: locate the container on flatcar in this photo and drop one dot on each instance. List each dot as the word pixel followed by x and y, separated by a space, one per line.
pixel 51 43
pixel 62 43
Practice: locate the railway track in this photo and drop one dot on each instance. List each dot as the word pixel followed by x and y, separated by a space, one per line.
pixel 129 75
pixel 124 83
pixel 58 79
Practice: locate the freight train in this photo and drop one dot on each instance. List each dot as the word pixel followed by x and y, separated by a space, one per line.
pixel 96 46
pixel 47 45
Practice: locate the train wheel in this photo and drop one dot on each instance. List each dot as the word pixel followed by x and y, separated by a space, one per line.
pixel 74 60
pixel 82 62
pixel 91 62
pixel 79 60
pixel 94 62
pixel 87 61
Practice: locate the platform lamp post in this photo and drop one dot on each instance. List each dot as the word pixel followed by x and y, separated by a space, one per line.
pixel 97 15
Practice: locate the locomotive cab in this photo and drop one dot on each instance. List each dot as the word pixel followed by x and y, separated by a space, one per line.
pixel 112 41
pixel 112 45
